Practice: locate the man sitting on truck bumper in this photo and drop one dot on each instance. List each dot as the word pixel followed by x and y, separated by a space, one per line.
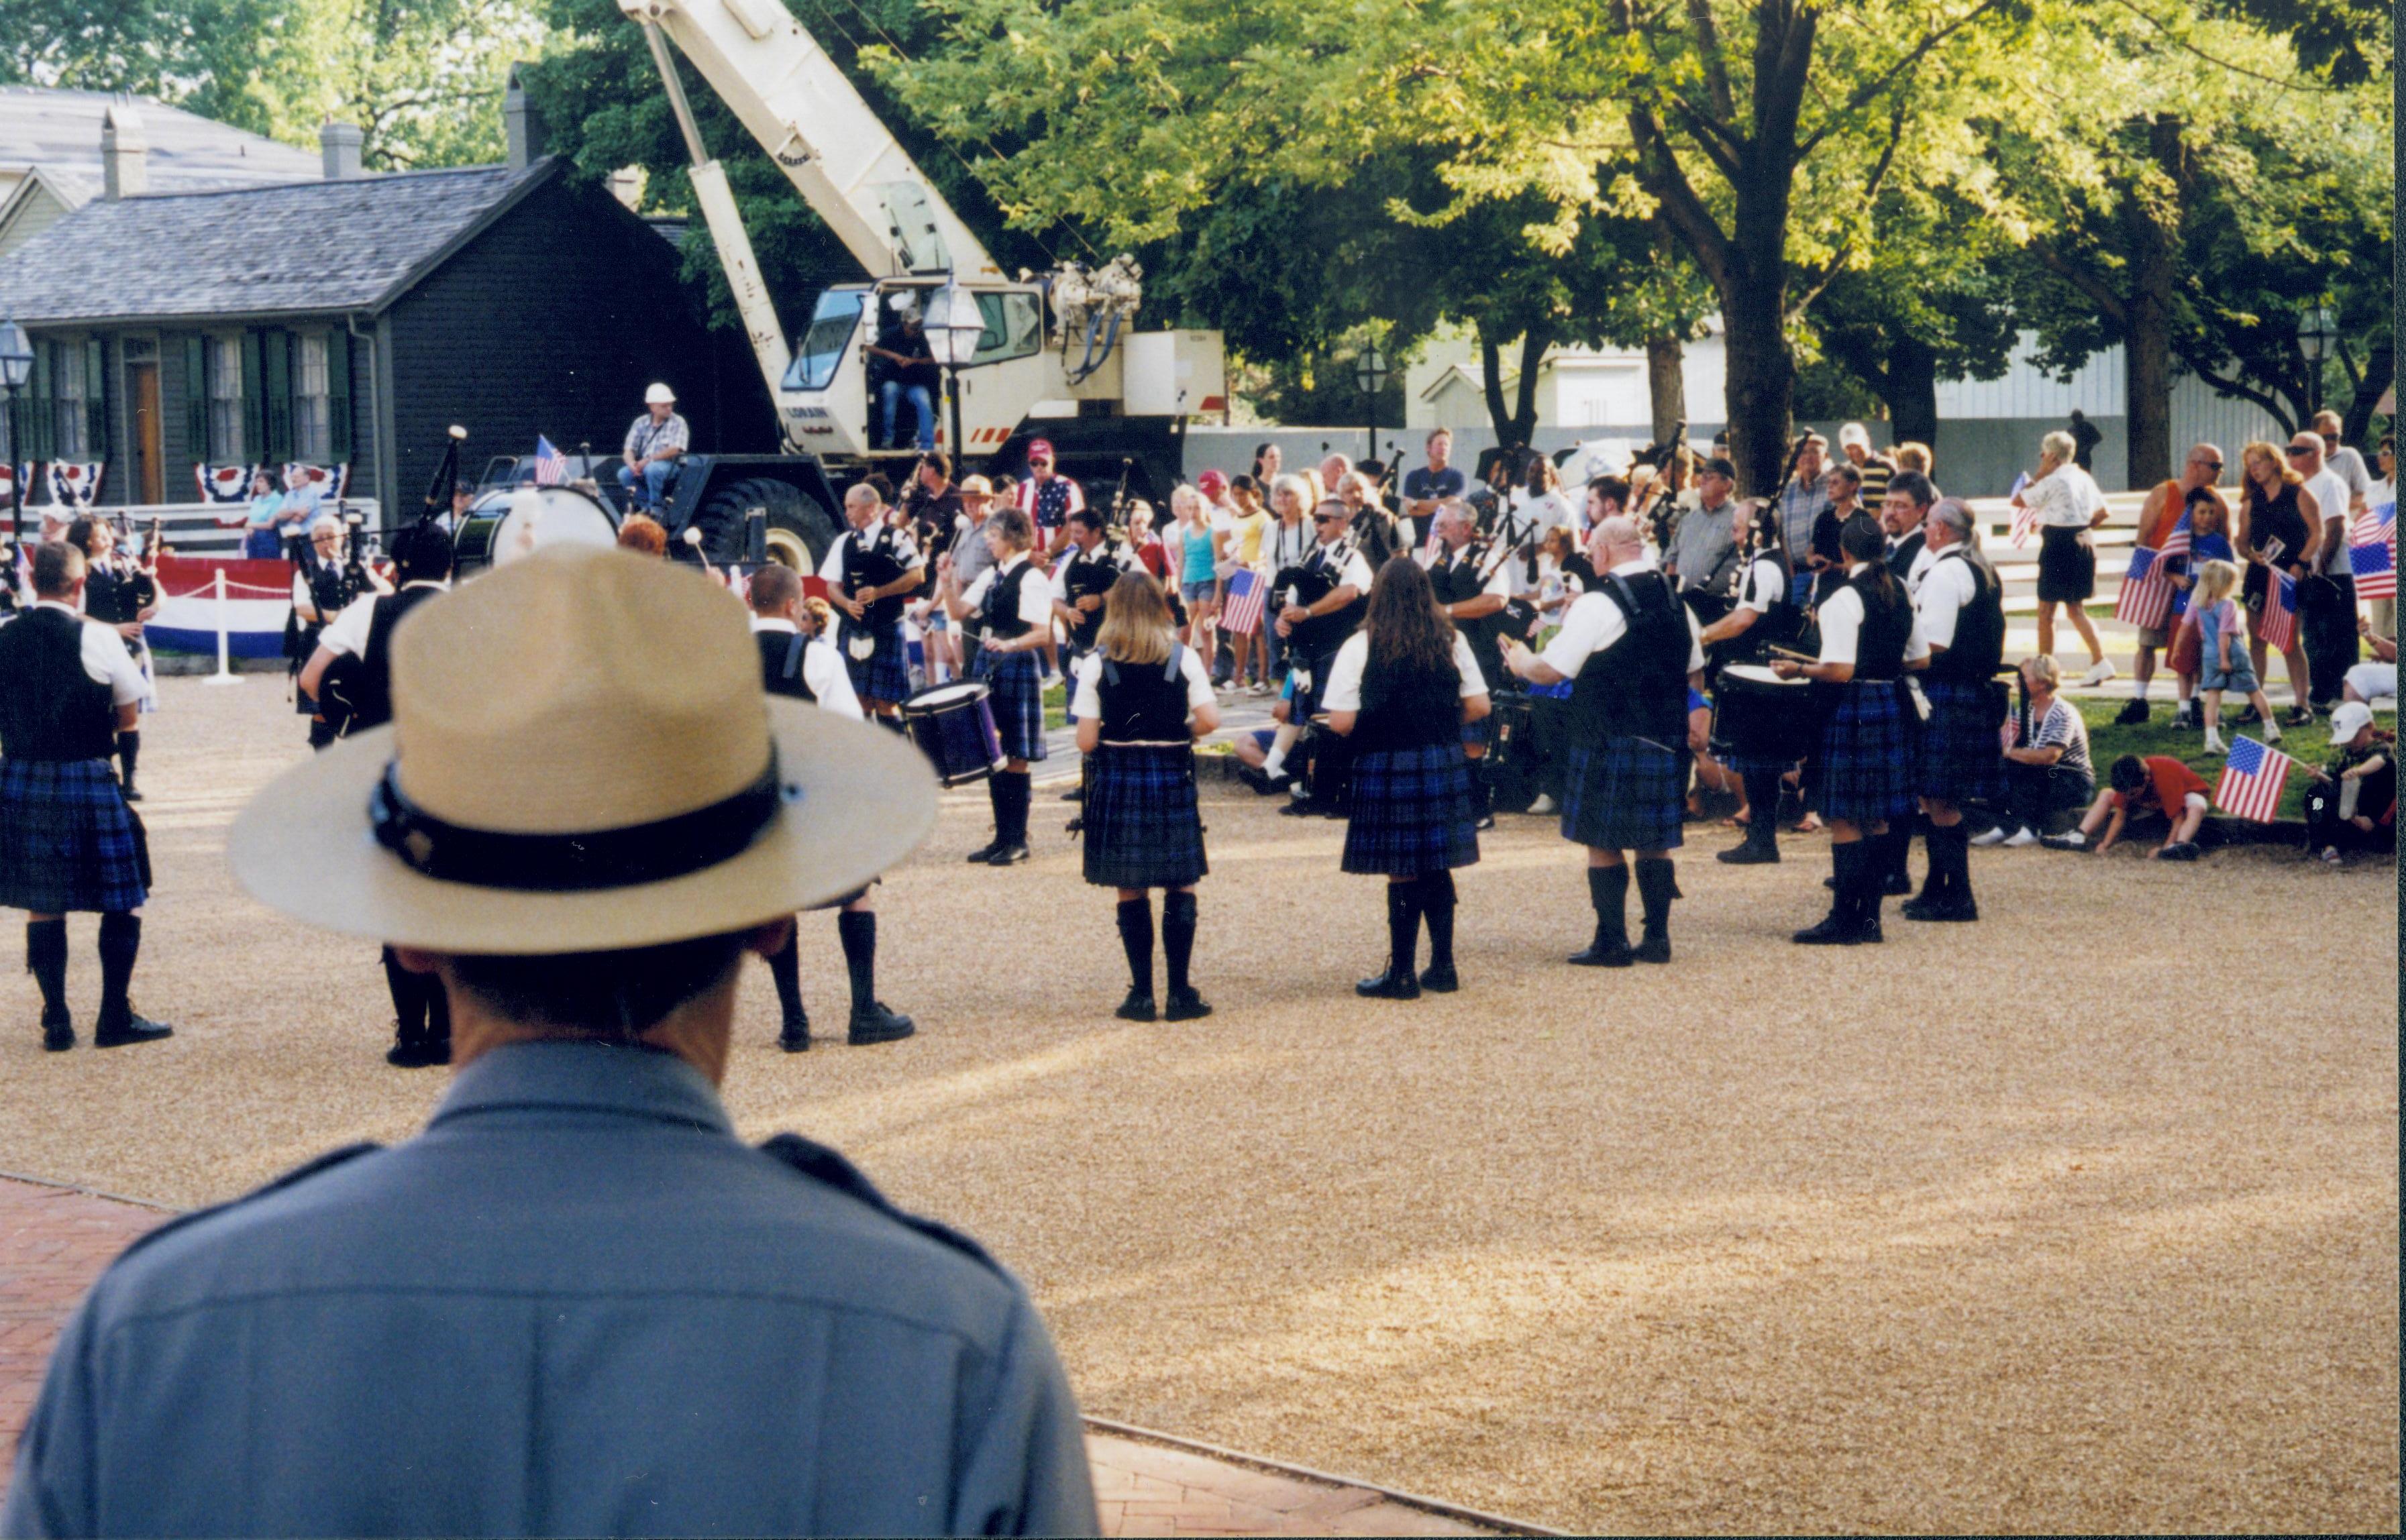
pixel 655 443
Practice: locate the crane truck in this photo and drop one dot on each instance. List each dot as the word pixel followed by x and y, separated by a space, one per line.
pixel 1052 356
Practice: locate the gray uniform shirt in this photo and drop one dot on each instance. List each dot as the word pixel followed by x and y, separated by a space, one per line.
pixel 575 1305
pixel 1703 538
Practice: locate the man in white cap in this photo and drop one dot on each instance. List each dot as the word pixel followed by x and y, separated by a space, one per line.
pixel 577 1304
pixel 1855 442
pixel 655 442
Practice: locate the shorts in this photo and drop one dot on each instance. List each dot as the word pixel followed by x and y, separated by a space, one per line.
pixel 2067 570
pixel 2154 636
pixel 1197 593
pixel 2239 679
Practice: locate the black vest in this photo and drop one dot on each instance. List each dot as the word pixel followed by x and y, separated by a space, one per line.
pixel 1775 626
pixel 1979 643
pixel 50 708
pixel 1000 616
pixel 873 559
pixel 1323 635
pixel 1408 708
pixel 1887 631
pixel 116 595
pixel 781 663
pixel 1142 704
pixel 368 686
pixel 1902 555
pixel 1090 574
pixel 1637 688
pixel 1458 582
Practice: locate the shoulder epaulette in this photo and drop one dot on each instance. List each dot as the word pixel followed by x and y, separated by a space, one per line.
pixel 826 1167
pixel 299 1174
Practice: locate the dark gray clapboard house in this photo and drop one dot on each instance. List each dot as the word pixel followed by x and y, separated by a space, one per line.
pixel 350 320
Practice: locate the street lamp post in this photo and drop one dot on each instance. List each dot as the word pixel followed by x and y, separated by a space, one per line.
pixel 2316 335
pixel 1370 374
pixel 953 326
pixel 16 368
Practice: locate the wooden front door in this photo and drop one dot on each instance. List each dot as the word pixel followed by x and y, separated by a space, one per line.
pixel 150 470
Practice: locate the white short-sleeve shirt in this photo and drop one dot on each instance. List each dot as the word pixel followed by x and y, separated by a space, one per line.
pixel 1087 705
pixel 2064 498
pixel 1946 586
pixel 1344 692
pixel 348 635
pixel 104 659
pixel 831 565
pixel 1354 572
pixel 1842 625
pixel 1594 622
pixel 1765 584
pixel 1123 556
pixel 823 671
pixel 1035 597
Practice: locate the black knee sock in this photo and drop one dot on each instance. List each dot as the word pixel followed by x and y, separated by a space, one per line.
pixel 1136 939
pixel 1763 807
pixel 857 931
pixel 1178 938
pixel 1011 799
pixel 998 795
pixel 1607 889
pixel 786 972
pixel 1403 927
pixel 129 749
pixel 438 1009
pixel 1438 901
pixel 46 958
pixel 1870 872
pixel 1952 845
pixel 1482 797
pixel 120 942
pixel 409 999
pixel 1656 885
pixel 1845 865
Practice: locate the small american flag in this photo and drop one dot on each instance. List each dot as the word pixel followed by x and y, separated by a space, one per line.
pixel 1247 591
pixel 2146 597
pixel 550 465
pixel 2025 519
pixel 2253 778
pixel 2279 627
pixel 2373 552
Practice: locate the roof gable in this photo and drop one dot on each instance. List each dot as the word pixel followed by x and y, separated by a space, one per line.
pixel 355 244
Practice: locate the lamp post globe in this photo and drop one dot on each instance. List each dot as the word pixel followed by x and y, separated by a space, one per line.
pixel 952 325
pixel 1371 375
pixel 16 368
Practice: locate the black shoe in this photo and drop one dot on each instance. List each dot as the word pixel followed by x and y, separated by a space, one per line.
pixel 2186 850
pixel 1941 910
pixel 1750 854
pixel 1075 825
pixel 983 853
pixel 1137 1007
pixel 1261 781
pixel 796 1037
pixel 2132 714
pixel 1653 947
pixel 1007 855
pixel 1075 794
pixel 2299 716
pixel 1298 807
pixel 131 795
pixel 1896 885
pixel 1483 822
pixel 1832 931
pixel 1603 956
pixel 117 1032
pixel 1185 1006
pixel 58 1032
pixel 2248 719
pixel 875 1023
pixel 1440 981
pixel 1390 985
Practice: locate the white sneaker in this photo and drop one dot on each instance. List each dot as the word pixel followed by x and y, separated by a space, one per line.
pixel 2022 838
pixel 2214 744
pixel 1989 837
pixel 1542 806
pixel 2271 730
pixel 2099 674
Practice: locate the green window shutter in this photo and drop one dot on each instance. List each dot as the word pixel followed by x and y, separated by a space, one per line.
pixel 275 380
pixel 338 396
pixel 196 399
pixel 39 421
pixel 95 384
pixel 254 424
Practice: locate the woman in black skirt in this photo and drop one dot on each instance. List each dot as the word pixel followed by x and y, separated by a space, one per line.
pixel 1863 773
pixel 1013 603
pixel 1400 689
pixel 1142 699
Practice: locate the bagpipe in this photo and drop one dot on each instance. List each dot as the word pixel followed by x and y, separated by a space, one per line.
pixel 341 687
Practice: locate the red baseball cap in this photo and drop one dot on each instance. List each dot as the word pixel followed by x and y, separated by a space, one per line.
pixel 1040 448
pixel 1212 483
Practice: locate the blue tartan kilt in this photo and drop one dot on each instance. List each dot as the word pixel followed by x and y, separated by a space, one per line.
pixel 1865 770
pixel 1624 794
pixel 1961 760
pixel 884 674
pixel 67 839
pixel 1142 827
pixel 1016 680
pixel 1411 813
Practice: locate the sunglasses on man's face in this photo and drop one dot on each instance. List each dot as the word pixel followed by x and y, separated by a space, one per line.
pixel 2306 448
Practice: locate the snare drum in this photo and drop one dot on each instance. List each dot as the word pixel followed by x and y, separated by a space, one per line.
pixel 954 727
pixel 1760 718
pixel 502 527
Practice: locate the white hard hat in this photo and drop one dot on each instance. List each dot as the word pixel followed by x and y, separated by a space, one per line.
pixel 1854 432
pixel 658 395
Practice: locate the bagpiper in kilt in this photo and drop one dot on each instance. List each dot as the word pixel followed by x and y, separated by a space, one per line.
pixel 1398 690
pixel 68 841
pixel 1629 647
pixel 868 570
pixel 1766 619
pixel 1864 769
pixel 797 663
pixel 1140 700
pixel 1960 615
pixel 1013 605
pixel 118 592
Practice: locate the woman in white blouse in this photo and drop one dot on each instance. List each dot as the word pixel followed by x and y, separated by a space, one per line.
pixel 2066 505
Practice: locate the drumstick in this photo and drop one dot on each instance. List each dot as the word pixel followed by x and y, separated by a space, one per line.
pixel 1791 652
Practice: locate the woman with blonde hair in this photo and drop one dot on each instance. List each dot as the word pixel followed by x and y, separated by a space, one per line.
pixel 1142 697
pixel 1193 555
pixel 2067 505
pixel 2279 528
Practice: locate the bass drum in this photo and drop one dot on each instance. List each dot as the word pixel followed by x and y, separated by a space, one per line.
pixel 503 526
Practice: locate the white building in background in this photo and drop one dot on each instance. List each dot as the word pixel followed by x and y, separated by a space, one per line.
pixel 1582 390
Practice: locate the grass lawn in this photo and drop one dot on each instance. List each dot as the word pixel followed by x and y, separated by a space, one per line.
pixel 2108 742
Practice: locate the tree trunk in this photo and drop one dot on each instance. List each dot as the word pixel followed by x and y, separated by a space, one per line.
pixel 1911 391
pixel 1490 382
pixel 2146 327
pixel 1666 385
pixel 2379 370
pixel 1533 344
pixel 1762 383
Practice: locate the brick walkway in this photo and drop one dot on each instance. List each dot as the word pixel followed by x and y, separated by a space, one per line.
pixel 53 1242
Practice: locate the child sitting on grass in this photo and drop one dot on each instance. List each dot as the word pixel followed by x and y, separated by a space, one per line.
pixel 2157 783
pixel 2352 802
pixel 2223 661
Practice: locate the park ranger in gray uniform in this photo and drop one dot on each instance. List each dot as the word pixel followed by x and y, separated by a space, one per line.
pixel 577 1304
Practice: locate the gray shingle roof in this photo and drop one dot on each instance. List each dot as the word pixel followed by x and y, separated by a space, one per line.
pixel 302 247
pixel 60 132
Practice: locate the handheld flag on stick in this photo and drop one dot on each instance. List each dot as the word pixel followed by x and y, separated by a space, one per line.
pixel 2253 778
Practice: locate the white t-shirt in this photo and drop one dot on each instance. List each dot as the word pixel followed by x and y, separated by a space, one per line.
pixel 1842 623
pixel 1594 622
pixel 1765 584
pixel 1344 692
pixel 2346 464
pixel 348 634
pixel 2330 496
pixel 104 659
pixel 2065 498
pixel 1087 703
pixel 1285 545
pixel 1946 587
pixel 823 669
pixel 1035 598
pixel 1543 512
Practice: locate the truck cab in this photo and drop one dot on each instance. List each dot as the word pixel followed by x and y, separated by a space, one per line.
pixel 830 409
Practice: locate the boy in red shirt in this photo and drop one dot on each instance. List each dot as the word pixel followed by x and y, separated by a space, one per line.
pixel 2157 783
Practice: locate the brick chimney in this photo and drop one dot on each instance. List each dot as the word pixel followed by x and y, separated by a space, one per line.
pixel 520 125
pixel 124 152
pixel 340 144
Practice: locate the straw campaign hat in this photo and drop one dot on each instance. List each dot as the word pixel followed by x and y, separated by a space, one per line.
pixel 581 759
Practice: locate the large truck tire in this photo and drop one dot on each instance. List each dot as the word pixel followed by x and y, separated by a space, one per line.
pixel 801 531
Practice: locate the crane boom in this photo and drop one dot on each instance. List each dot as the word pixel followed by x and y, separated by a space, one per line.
pixel 848 167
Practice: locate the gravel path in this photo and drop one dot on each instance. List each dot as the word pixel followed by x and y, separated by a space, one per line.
pixel 2082 1218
